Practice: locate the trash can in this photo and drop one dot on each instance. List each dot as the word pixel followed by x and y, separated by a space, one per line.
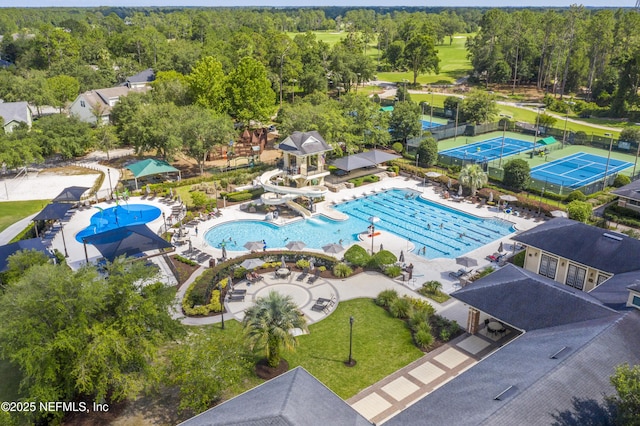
pixel 212 262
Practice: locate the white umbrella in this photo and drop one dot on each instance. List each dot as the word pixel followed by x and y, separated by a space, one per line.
pixel 491 197
pixel 508 198
pixel 559 213
pixel 500 247
pixel 433 174
pixel 332 248
pixel 401 257
pixel 252 263
pixel 284 264
pixel 449 184
pixel 373 219
pixel 460 190
pixel 466 261
pixel 254 245
pixel 296 245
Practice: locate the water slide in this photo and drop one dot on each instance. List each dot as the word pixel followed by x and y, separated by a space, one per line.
pixel 276 194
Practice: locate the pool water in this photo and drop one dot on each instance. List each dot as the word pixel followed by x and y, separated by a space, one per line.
pixel 119 216
pixel 427 224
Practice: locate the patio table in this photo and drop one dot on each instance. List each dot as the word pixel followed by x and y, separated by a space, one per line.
pixel 283 272
pixel 495 327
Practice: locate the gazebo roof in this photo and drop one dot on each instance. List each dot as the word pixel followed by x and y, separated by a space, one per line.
pixel 364 159
pixel 71 194
pixel 304 143
pixel 150 166
pixel 53 211
pixel 128 240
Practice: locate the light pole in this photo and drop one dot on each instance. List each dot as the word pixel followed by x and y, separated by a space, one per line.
pixel 566 118
pixel 351 362
pixel 222 302
pixel 110 187
pixel 535 137
pixel 606 169
pixel 64 243
pixel 164 217
pixel 455 135
pixel 373 220
pixel 431 114
pixel 504 131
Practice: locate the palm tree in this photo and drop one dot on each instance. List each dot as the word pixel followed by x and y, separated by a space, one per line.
pixel 268 323
pixel 473 176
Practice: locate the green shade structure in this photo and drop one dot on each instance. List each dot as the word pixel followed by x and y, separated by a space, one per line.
pixel 547 141
pixel 150 167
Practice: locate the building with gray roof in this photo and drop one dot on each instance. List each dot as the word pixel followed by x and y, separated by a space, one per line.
pixel 294 398
pixel 14 113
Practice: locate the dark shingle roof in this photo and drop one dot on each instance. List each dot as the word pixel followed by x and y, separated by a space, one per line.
pixel 585 244
pixel 529 301
pixel 615 291
pixel 294 398
pixel 542 386
pixel 145 76
pixel 631 191
pixel 304 143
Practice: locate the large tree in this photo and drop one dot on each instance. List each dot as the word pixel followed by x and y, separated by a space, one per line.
pixel 77 334
pixel 626 382
pixel 207 84
pixel 421 56
pixel 428 151
pixel 202 130
pixel 516 174
pixel 268 324
pixel 405 120
pixel 249 92
pixel 479 107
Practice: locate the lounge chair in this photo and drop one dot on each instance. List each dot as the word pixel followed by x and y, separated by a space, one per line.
pixel 459 273
pixel 313 278
pixel 236 298
pixel 303 275
pixel 318 307
pixel 238 291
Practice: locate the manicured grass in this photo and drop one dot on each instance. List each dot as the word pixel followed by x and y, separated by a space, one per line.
pixel 381 345
pixel 13 211
pixel 438 296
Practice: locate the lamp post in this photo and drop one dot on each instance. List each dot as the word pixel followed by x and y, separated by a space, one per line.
pixel 110 187
pixel 606 169
pixel 504 131
pixel 372 228
pixel 222 302
pixel 64 243
pixel 455 136
pixel 164 217
pixel 535 137
pixel 351 362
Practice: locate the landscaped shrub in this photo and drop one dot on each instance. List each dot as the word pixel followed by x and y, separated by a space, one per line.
pixel 400 307
pixel 486 271
pixel 579 210
pixel 576 195
pixel 199 199
pixel 621 180
pixel 185 260
pixel 356 255
pixel 386 297
pixel 518 259
pixel 445 335
pixel 423 339
pixel 239 197
pixel 382 259
pixel 322 268
pixel 302 263
pixel 397 147
pixel 417 317
pixel 422 326
pixel 393 271
pixel 342 270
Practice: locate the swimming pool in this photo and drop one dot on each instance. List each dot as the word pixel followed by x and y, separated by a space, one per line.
pixel 117 217
pixel 402 212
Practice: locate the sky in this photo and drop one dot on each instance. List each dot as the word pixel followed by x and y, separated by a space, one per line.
pixel 318 3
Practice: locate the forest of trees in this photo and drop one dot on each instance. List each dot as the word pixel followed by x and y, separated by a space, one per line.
pixel 237 65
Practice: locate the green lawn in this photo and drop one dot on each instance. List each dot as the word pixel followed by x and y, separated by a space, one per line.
pixel 381 345
pixel 13 211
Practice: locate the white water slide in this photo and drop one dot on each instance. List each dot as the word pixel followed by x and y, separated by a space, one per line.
pixel 288 192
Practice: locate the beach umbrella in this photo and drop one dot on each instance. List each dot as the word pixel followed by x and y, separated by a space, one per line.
pixel 559 213
pixel 466 261
pixel 373 219
pixel 190 246
pixel 252 263
pixel 312 264
pixel 491 197
pixel 332 248
pixel 401 257
pixel 449 184
pixel 500 247
pixel 283 261
pixel 508 198
pixel 254 245
pixel 296 245
pixel 460 190
pixel 148 190
pixel 171 192
pixel 433 174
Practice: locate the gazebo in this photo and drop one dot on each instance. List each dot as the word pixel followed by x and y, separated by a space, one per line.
pixel 303 155
pixel 364 159
pixel 150 167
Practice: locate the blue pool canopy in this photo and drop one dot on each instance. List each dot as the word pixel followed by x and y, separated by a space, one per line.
pixel 128 241
pixel 10 249
pixel 53 211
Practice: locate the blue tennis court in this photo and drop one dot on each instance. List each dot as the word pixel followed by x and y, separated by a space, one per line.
pixel 429 124
pixel 488 150
pixel 577 170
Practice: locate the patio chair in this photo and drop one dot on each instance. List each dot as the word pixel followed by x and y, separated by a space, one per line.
pixel 238 291
pixel 318 307
pixel 236 298
pixel 303 275
pixel 313 278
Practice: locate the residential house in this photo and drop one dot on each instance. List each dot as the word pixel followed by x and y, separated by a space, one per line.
pixel 95 105
pixel 141 80
pixel 14 113
pixel 629 195
pixel 578 255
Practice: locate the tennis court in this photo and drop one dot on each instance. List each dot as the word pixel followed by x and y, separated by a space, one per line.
pixel 426 124
pixel 577 170
pixel 488 150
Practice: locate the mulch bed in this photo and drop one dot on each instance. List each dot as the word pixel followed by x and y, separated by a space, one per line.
pixel 265 372
pixel 184 270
